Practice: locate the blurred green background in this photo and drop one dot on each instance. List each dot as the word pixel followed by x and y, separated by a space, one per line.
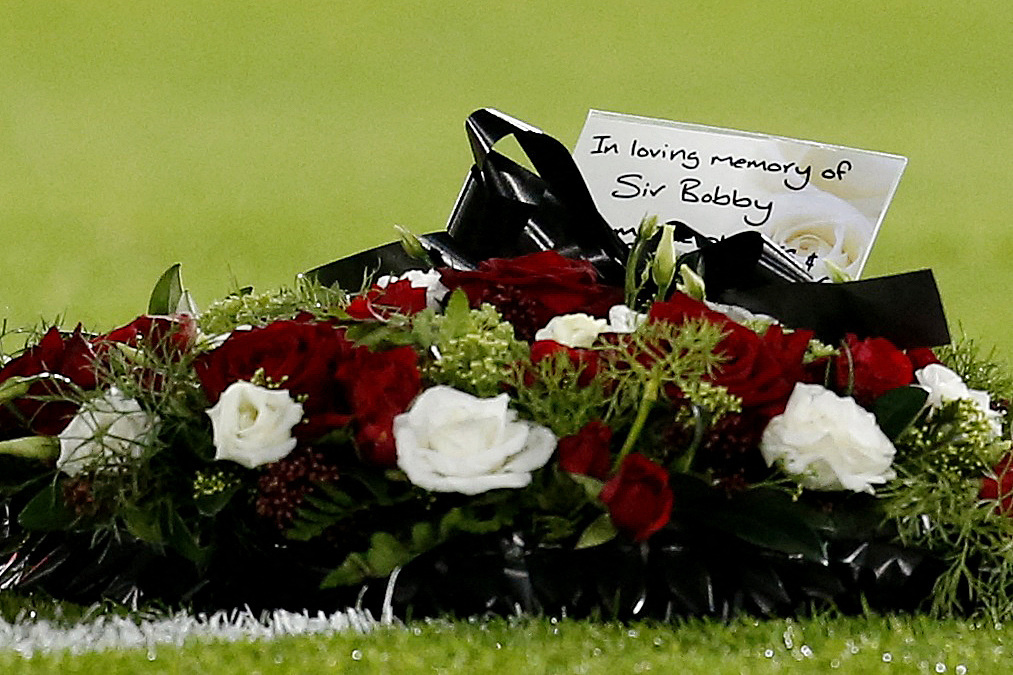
pixel 252 141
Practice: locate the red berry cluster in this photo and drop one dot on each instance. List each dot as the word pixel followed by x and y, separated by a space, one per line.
pixel 285 484
pixel 516 306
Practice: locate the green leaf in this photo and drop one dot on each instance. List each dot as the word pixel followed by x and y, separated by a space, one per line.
pixel 375 335
pixel 457 316
pixel 464 519
pixel 182 539
pixel 385 553
pixel 143 525
pixel 898 408
pixel 46 511
pixel 423 537
pixel 592 486
pixel 771 519
pixel 352 571
pixel 167 292
pixel 598 532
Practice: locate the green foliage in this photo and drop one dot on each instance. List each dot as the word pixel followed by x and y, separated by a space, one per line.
pixel 247 308
pixel 384 554
pixel 473 350
pixel 388 550
pixel 674 356
pixel 956 439
pixel 982 371
pixel 937 509
pixel 552 393
pixel 358 492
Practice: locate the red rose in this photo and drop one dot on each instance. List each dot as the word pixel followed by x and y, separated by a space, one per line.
pixel 586 359
pixel 761 370
pixel 379 386
pixel 531 289
pixel 299 355
pixel 587 451
pixel 71 357
pixel 999 487
pixel 638 497
pixel 169 335
pixel 338 383
pixel 921 357
pixel 876 367
pixel 380 303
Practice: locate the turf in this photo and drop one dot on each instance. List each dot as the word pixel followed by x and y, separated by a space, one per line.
pixel 253 141
pixel 889 644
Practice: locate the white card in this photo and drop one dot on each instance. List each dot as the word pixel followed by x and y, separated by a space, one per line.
pixel 820 202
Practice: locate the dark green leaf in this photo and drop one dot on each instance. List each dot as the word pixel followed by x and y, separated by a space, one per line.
pixel 464 519
pixel 46 511
pixel 352 571
pixel 143 525
pixel 769 518
pixel 385 553
pixel 898 408
pixel 423 537
pixel 179 537
pixel 167 292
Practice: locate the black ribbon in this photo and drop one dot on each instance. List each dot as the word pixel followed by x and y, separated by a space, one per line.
pixel 506 210
pixel 744 270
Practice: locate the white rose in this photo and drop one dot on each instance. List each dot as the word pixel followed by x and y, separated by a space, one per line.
pixel 828 442
pixel 622 319
pixel 944 385
pixel 818 226
pixel 451 441
pixel 573 330
pixel 431 281
pixel 107 430
pixel 739 314
pixel 253 425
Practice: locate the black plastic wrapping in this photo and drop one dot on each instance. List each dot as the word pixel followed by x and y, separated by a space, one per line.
pixel 504 210
pixel 743 270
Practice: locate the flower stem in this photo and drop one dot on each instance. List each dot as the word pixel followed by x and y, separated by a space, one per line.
pixel 646 403
pixel 685 462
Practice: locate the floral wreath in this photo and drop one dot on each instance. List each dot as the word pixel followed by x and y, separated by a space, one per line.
pixel 515 435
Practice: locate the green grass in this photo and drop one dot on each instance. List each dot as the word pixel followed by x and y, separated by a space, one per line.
pixel 542 646
pixel 254 141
